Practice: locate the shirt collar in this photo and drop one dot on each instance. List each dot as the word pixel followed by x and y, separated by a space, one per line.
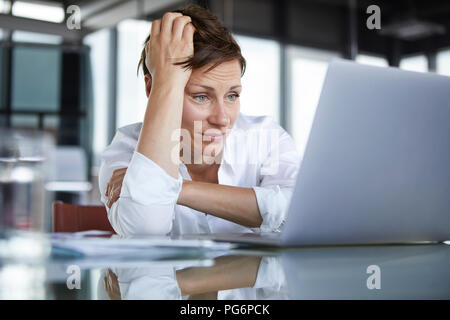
pixel 226 161
pixel 227 156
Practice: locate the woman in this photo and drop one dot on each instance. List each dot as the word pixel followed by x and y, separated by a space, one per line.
pixel 195 164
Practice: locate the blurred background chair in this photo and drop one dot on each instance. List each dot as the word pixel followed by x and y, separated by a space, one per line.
pixel 75 218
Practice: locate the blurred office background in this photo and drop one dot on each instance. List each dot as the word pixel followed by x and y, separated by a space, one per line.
pixel 80 85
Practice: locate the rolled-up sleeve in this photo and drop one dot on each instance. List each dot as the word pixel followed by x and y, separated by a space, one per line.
pixel 147 199
pixel 270 274
pixel 278 176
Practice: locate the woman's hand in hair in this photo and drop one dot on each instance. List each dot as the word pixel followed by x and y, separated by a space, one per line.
pixel 171 42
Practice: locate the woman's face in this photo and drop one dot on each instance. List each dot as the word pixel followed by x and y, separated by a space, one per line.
pixel 211 106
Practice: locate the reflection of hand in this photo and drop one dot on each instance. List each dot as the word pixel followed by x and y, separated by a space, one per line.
pixel 112 285
pixel 114 186
pixel 204 296
pixel 230 272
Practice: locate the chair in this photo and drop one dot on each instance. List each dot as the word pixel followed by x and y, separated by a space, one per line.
pixel 74 218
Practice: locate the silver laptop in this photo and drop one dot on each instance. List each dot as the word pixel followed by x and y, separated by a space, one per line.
pixel 376 168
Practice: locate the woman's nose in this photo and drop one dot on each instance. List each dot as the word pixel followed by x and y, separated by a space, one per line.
pixel 218 116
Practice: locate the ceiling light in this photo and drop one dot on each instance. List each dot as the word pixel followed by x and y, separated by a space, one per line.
pixel 39 11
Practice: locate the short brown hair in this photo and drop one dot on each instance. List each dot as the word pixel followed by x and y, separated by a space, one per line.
pixel 212 42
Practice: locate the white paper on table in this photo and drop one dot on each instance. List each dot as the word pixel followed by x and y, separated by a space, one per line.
pixel 80 234
pixel 155 247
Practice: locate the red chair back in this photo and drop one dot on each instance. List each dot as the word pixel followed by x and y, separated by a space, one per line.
pixel 74 218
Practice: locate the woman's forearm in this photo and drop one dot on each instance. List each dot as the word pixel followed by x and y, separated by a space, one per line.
pixel 228 272
pixel 162 119
pixel 171 42
pixel 235 204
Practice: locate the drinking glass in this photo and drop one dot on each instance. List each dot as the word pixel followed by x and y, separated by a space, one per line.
pixel 25 166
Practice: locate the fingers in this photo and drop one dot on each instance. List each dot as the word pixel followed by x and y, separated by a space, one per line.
pixel 112 275
pixel 120 171
pixel 115 181
pixel 173 23
pixel 107 279
pixel 110 203
pixel 178 26
pixel 156 28
pixel 114 195
pixel 171 41
pixel 188 32
pixel 107 190
pixel 167 23
pixel 111 199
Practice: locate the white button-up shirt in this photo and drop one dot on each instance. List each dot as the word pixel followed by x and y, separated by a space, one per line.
pixel 257 154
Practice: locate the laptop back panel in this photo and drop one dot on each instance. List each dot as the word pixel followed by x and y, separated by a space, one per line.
pixel 377 165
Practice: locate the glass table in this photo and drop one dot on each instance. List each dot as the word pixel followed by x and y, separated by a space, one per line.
pixel 344 272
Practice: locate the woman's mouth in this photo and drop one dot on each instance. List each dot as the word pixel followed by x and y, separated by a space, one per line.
pixel 212 136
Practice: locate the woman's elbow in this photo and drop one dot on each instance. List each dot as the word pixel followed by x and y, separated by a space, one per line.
pixel 152 229
pixel 141 221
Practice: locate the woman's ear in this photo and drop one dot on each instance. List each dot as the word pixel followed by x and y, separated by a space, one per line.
pixel 148 84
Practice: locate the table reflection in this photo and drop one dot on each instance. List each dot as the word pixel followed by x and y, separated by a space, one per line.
pixel 230 277
pixel 369 272
pixel 357 272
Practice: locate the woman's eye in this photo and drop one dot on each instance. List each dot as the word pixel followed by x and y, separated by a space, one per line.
pixel 233 97
pixel 201 98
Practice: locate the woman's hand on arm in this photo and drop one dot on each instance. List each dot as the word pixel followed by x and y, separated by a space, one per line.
pixel 114 186
pixel 171 41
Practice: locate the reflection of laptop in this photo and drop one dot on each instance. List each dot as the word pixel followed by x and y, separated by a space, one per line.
pixel 368 272
pixel 377 165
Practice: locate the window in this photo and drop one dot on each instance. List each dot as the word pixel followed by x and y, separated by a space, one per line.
pixel 261 81
pixel 2 86
pixel 307 69
pixel 4 9
pixel 29 91
pixel 24 121
pixel 372 60
pixel 131 97
pixel 99 59
pixel 416 63
pixel 33 37
pixel 51 123
pixel 443 62
pixel 50 11
pixel 5 5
